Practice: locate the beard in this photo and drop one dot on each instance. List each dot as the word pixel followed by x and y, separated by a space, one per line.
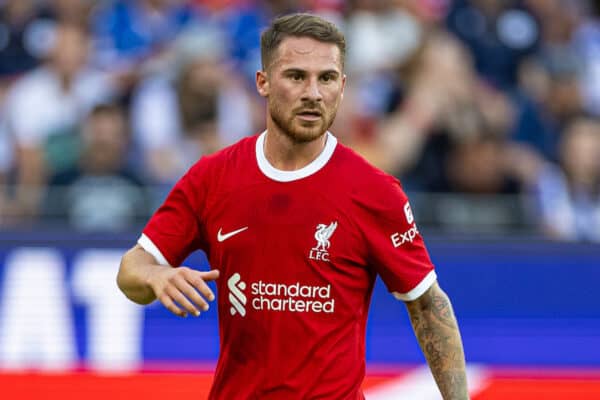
pixel 297 130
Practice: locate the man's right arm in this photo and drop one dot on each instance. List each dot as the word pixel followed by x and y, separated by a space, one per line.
pixel 181 290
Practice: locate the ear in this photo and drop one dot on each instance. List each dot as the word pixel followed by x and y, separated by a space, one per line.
pixel 343 85
pixel 262 83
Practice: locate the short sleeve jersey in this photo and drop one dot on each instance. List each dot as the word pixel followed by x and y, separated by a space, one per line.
pixel 298 254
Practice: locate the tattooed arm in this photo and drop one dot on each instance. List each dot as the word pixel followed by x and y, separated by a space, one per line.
pixel 436 330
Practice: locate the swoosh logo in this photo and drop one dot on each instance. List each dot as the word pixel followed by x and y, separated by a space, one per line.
pixel 224 236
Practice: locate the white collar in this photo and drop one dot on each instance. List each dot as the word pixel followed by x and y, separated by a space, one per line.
pixel 287 176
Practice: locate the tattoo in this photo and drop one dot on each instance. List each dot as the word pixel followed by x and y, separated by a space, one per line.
pixel 442 309
pixel 436 330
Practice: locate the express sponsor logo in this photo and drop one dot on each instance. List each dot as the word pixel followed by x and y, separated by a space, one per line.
pixel 398 239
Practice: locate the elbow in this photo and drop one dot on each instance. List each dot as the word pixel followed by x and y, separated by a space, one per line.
pixel 122 275
pixel 125 282
pixel 122 281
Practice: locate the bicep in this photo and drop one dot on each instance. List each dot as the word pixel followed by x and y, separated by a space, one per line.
pixel 395 248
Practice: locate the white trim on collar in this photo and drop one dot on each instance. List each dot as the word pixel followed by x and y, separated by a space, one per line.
pixel 288 176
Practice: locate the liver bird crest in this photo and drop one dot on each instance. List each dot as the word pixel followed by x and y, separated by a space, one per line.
pixel 323 234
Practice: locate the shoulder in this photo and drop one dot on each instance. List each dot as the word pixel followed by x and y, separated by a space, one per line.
pixel 231 159
pixel 242 151
pixel 361 174
pixel 34 83
pixel 371 190
pixel 212 174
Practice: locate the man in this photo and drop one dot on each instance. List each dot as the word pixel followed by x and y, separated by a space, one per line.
pixel 100 192
pixel 45 105
pixel 296 227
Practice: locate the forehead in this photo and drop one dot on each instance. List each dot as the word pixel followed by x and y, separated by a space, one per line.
pixel 307 54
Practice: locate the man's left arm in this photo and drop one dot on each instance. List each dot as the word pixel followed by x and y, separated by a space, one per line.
pixel 437 332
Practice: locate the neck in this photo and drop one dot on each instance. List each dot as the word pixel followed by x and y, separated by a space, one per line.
pixel 285 154
pixel 65 79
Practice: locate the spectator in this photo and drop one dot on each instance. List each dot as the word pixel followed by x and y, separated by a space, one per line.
pixel 421 108
pixel 69 11
pixel 374 57
pixel 499 34
pixel 204 107
pixel 44 108
pixel 128 33
pixel 569 195
pixel 587 43
pixel 101 192
pixel 373 31
pixel 26 31
pixel 549 98
pixel 6 164
pixel 440 87
pixel 242 22
pixel 549 94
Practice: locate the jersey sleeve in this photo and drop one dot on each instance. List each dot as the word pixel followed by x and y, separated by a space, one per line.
pixel 396 249
pixel 174 231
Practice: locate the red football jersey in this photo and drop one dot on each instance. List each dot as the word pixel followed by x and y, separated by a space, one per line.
pixel 298 253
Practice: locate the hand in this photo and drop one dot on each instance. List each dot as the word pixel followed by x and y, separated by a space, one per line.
pixel 181 290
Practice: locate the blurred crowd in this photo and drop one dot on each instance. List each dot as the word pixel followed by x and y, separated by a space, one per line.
pixel 105 103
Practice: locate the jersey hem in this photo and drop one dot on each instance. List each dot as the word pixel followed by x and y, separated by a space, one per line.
pixel 151 248
pixel 287 176
pixel 418 290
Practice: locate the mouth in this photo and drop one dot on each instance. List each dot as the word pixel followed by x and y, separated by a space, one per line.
pixel 309 115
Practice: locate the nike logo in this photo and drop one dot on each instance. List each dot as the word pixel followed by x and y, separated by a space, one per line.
pixel 222 237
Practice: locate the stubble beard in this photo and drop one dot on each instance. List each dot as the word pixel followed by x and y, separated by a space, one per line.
pixel 289 126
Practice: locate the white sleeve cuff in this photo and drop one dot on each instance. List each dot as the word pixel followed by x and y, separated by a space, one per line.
pixel 151 248
pixel 418 290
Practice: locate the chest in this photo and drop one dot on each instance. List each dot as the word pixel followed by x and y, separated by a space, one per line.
pixel 285 232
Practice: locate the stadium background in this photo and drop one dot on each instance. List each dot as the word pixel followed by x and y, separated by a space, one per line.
pixel 487 110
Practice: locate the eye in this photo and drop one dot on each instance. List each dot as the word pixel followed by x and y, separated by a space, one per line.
pixel 296 76
pixel 327 78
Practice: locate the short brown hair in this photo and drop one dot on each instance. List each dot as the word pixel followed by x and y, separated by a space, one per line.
pixel 299 25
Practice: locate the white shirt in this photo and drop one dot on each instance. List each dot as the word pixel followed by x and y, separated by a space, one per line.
pixel 38 106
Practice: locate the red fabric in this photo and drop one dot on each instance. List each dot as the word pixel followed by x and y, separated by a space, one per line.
pixel 292 313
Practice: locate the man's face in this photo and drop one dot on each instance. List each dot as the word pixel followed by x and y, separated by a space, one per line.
pixel 105 138
pixel 303 86
pixel 71 50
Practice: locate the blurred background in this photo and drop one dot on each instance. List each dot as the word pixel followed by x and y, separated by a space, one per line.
pixel 486 110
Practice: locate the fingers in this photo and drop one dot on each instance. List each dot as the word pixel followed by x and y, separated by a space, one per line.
pixel 188 290
pixel 198 281
pixel 176 294
pixel 210 275
pixel 185 291
pixel 171 306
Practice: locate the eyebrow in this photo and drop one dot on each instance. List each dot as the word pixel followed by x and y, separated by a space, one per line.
pixel 303 71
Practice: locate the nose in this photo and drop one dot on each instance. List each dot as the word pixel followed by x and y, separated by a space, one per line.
pixel 312 91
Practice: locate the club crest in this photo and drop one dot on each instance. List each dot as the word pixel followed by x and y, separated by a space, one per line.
pixel 322 236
